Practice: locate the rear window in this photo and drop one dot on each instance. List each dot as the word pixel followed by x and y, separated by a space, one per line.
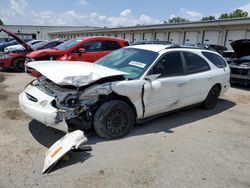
pixel 215 59
pixel 195 63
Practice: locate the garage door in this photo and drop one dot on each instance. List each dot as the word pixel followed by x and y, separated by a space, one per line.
pixel 191 37
pixel 175 37
pixel 148 36
pixel 233 35
pixel 137 37
pixel 128 37
pixel 112 35
pixel 120 35
pixel 211 37
pixel 160 36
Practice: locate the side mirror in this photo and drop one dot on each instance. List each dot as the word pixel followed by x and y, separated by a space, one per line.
pixel 81 51
pixel 155 84
pixel 151 77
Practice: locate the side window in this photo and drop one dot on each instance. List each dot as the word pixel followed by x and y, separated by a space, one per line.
pixel 92 46
pixel 169 65
pixel 215 59
pixel 195 63
pixel 112 45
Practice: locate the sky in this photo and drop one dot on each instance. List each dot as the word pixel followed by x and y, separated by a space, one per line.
pixel 111 13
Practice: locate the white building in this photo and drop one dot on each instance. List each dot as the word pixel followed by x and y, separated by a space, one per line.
pixel 221 32
pixel 39 32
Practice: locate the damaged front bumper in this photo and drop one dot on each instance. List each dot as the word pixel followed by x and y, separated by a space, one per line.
pixel 39 105
pixel 40 108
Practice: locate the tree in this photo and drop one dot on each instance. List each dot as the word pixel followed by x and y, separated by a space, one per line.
pixel 207 18
pixel 1 22
pixel 238 13
pixel 177 20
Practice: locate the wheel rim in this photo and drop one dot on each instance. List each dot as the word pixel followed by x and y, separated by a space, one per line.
pixel 117 122
pixel 19 65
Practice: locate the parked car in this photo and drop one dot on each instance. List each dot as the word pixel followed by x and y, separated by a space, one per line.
pixel 127 86
pixel 19 47
pixel 79 49
pixel 239 63
pixel 47 44
pixel 6 39
pixel 10 43
pixel 16 60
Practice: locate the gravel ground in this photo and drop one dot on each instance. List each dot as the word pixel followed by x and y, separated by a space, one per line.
pixel 190 148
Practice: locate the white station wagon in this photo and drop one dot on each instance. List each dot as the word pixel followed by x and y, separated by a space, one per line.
pixel 127 86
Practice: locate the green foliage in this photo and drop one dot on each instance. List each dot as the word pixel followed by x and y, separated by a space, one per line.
pixel 177 20
pixel 1 22
pixel 207 18
pixel 238 13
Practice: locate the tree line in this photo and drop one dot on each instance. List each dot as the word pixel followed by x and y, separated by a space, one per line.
pixel 238 13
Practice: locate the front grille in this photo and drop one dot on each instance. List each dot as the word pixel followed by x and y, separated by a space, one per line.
pixel 31 98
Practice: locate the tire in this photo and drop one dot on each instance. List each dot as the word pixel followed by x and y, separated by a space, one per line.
pixel 18 64
pixel 212 98
pixel 114 119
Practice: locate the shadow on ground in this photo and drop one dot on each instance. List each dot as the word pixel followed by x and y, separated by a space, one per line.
pixel 48 135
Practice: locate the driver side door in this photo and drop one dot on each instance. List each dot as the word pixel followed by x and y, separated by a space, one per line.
pixel 163 94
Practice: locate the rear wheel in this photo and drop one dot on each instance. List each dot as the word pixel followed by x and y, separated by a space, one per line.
pixel 212 98
pixel 114 119
pixel 18 64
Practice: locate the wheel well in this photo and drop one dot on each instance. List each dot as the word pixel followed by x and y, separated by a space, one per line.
pixel 124 99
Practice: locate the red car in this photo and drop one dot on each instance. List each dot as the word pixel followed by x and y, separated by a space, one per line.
pixel 87 49
pixel 14 60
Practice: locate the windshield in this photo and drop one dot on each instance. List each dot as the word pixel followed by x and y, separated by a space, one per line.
pixel 130 60
pixel 68 44
pixel 39 45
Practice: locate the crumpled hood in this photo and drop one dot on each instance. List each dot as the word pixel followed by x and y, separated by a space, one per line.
pixel 241 47
pixel 73 73
pixel 44 52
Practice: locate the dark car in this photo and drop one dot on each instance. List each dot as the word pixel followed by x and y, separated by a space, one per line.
pixel 240 63
pixel 7 39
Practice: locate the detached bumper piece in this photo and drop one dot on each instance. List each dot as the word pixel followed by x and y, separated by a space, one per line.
pixel 71 141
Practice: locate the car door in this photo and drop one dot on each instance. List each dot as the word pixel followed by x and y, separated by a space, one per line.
pixel 162 94
pixel 198 78
pixel 92 52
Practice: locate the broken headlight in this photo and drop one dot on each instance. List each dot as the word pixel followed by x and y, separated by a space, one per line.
pixel 71 101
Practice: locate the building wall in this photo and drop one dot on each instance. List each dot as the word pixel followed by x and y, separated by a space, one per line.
pixel 38 32
pixel 214 32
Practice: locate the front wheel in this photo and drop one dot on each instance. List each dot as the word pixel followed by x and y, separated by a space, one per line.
pixel 18 64
pixel 114 119
pixel 212 98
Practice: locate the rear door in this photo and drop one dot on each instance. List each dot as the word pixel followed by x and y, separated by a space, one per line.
pixel 162 94
pixel 197 80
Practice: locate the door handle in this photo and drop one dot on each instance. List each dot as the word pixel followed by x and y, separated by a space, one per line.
pixel 181 84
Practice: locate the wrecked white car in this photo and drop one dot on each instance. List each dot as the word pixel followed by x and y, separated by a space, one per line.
pixel 127 86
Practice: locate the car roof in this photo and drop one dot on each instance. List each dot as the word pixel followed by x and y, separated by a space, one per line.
pixel 101 37
pixel 151 47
